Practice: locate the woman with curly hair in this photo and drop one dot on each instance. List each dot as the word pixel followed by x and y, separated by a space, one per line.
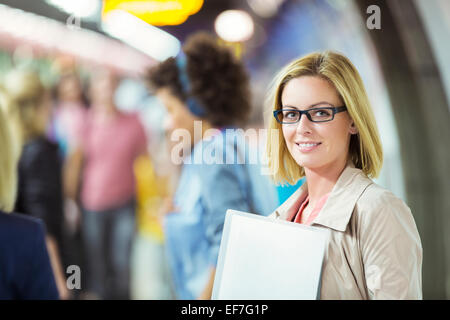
pixel 206 87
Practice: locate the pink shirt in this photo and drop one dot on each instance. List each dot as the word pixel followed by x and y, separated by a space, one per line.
pixel 315 212
pixel 110 148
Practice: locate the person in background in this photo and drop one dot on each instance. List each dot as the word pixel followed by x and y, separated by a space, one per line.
pixel 25 269
pixel 102 170
pixel 70 113
pixel 206 86
pixel 40 183
pixel 328 134
pixel 68 120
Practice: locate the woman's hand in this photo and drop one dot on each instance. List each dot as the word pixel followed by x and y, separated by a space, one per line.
pixel 207 290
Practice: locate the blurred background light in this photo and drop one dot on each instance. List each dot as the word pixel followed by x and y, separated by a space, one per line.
pixel 234 26
pixel 79 8
pixel 265 8
pixel 156 12
pixel 29 36
pixel 151 40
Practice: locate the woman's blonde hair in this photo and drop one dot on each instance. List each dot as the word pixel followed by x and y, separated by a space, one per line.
pixel 8 161
pixel 365 147
pixel 24 94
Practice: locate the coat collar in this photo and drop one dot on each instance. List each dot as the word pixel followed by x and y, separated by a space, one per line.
pixel 339 207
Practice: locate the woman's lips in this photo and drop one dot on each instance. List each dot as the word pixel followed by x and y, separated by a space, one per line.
pixel 308 146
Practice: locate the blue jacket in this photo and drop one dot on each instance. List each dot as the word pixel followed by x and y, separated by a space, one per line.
pixel 25 270
pixel 212 181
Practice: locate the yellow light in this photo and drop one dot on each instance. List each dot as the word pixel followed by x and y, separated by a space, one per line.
pixel 156 12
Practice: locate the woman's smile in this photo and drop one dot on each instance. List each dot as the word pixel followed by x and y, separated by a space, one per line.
pixel 307 146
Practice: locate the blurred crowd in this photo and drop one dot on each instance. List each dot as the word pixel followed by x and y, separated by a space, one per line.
pixel 111 195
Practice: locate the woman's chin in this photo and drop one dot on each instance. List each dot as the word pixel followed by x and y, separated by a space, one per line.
pixel 308 161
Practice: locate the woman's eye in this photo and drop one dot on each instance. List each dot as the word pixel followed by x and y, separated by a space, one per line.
pixel 289 114
pixel 321 113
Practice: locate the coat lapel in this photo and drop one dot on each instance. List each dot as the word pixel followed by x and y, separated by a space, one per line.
pixel 339 207
pixel 292 204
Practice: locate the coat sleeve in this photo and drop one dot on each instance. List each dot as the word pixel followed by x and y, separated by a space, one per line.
pixel 41 192
pixel 391 250
pixel 39 283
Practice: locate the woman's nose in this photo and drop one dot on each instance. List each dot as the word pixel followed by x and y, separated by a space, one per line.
pixel 304 125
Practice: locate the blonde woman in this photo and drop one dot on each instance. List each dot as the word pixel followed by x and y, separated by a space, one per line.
pixel 323 129
pixel 25 267
pixel 8 160
pixel 40 184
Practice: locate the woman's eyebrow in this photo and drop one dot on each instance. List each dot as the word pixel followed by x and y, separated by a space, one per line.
pixel 308 107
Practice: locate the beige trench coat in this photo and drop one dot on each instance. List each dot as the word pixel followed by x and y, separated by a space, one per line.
pixel 374 250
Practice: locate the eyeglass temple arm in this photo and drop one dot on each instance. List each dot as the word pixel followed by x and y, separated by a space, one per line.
pixel 340 109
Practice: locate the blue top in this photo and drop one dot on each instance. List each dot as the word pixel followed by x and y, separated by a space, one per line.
pixel 285 191
pixel 25 270
pixel 213 180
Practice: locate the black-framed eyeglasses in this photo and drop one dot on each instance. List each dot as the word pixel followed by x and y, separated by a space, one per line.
pixel 319 114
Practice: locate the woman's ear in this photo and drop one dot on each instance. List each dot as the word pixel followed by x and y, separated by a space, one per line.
pixel 353 129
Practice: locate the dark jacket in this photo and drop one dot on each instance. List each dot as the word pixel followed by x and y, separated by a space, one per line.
pixel 40 185
pixel 25 270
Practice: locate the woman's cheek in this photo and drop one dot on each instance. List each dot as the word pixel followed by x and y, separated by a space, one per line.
pixel 288 135
pixel 289 143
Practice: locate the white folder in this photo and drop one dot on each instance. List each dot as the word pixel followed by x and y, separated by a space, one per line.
pixel 263 258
